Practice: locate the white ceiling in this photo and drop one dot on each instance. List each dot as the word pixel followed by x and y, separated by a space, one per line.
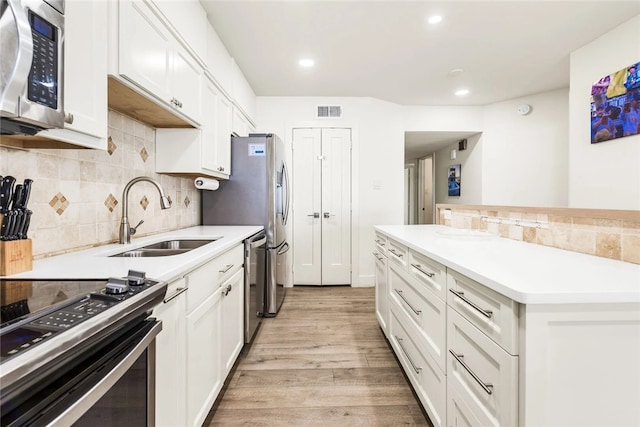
pixel 387 50
pixel 420 144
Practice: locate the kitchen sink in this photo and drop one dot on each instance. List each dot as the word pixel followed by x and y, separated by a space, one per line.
pixel 165 248
pixel 179 244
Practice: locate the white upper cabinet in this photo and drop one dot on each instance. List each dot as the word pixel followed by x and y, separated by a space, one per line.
pixel 151 58
pixel 85 76
pixel 205 151
pixel 242 94
pixel 189 20
pixel 219 62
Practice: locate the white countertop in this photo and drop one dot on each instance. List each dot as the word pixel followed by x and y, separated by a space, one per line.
pixel 525 272
pixel 95 263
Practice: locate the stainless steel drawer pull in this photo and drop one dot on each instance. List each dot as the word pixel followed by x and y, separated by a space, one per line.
pixel 413 365
pixel 419 268
pixel 393 251
pixel 399 292
pixel 460 294
pixel 380 242
pixel 226 268
pixel 175 294
pixel 487 387
pixel 379 258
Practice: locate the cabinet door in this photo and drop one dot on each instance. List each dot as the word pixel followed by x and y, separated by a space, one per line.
pixel 85 72
pixel 223 134
pixel 209 114
pixel 145 49
pixel 187 81
pixel 204 379
pixel 382 291
pixel 170 357
pixel 233 320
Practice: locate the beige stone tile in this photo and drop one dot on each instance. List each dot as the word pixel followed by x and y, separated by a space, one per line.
pixel 555 219
pixel 631 248
pixel 584 223
pixel 631 228
pixel 516 232
pixel 583 241
pixel 529 234
pixel 609 245
pixel 493 228
pixel 115 120
pixel 515 215
pixel 609 225
pixel 46 167
pixel 69 169
pixel 530 217
pixel 492 214
pixel 561 235
pixel 476 224
pixel 503 230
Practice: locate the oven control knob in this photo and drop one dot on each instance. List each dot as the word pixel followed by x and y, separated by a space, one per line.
pixel 136 278
pixel 117 286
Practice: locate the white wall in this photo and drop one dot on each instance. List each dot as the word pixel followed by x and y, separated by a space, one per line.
pixel 377 160
pixel 471 172
pixel 604 175
pixel 524 158
pixel 441 118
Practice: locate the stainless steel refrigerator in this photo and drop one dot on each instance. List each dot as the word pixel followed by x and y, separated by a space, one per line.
pixel 257 193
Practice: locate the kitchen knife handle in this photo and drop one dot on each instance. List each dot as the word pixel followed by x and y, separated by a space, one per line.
pixel 6 189
pixel 26 192
pixel 17 197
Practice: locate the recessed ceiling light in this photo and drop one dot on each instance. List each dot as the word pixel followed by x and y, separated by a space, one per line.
pixel 306 62
pixel 434 19
pixel 462 92
pixel 455 72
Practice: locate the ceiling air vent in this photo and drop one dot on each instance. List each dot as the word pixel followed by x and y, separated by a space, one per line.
pixel 331 111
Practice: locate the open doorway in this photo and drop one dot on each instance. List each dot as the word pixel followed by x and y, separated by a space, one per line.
pixel 425 189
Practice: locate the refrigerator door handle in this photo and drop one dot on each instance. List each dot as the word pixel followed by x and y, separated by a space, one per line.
pixel 283 249
pixel 285 214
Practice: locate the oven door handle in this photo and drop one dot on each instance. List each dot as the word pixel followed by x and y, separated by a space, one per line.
pixel 82 405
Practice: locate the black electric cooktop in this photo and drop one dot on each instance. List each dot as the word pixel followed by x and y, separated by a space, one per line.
pixel 34 311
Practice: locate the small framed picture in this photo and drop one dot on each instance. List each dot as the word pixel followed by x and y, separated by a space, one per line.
pixel 453 180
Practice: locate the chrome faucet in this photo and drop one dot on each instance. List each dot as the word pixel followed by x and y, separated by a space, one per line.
pixel 127 231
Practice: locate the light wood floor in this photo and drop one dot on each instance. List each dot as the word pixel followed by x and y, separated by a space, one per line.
pixel 322 361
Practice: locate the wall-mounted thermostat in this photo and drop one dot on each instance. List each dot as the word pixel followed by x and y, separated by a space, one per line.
pixel 524 109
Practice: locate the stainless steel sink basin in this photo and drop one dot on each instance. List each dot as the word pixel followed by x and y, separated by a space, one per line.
pixel 179 244
pixel 143 253
pixel 165 248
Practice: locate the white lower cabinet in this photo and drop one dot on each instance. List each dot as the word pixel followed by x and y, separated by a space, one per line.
pixel 232 335
pixel 202 335
pixel 428 381
pixel 204 378
pixel 170 356
pixel 382 292
pixel 485 375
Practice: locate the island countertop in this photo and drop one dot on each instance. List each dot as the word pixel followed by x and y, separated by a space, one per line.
pixel 525 272
pixel 97 263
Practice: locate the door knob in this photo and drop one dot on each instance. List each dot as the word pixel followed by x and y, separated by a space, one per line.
pixel 327 215
pixel 315 215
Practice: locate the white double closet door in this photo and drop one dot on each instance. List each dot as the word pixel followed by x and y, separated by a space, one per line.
pixel 321 206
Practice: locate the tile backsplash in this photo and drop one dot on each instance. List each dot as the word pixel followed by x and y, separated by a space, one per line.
pixel 609 234
pixel 76 195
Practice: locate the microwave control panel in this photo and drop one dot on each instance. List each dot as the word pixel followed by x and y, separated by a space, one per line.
pixel 43 76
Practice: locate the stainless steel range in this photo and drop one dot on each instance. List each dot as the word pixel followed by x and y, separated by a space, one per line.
pixel 69 347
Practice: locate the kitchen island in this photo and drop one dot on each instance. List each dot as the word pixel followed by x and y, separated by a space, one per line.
pixel 493 331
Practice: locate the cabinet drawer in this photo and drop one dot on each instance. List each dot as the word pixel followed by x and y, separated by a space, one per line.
pixel 428 381
pixel 429 273
pixel 424 311
pixel 397 252
pixel 230 262
pixel 205 280
pixel 381 242
pixel 491 312
pixel 483 374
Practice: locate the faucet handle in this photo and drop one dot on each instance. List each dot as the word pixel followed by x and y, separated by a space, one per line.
pixel 132 230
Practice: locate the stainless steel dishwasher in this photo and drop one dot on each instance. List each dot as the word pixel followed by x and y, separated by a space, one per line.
pixel 255 276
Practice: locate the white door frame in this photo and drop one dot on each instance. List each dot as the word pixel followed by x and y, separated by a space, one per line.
pixel 355 198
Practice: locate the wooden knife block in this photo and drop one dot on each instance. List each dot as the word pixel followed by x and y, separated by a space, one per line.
pixel 15 256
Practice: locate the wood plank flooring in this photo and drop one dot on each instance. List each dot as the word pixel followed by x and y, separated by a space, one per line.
pixel 322 361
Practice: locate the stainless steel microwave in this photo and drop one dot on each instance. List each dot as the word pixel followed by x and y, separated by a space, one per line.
pixel 31 66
